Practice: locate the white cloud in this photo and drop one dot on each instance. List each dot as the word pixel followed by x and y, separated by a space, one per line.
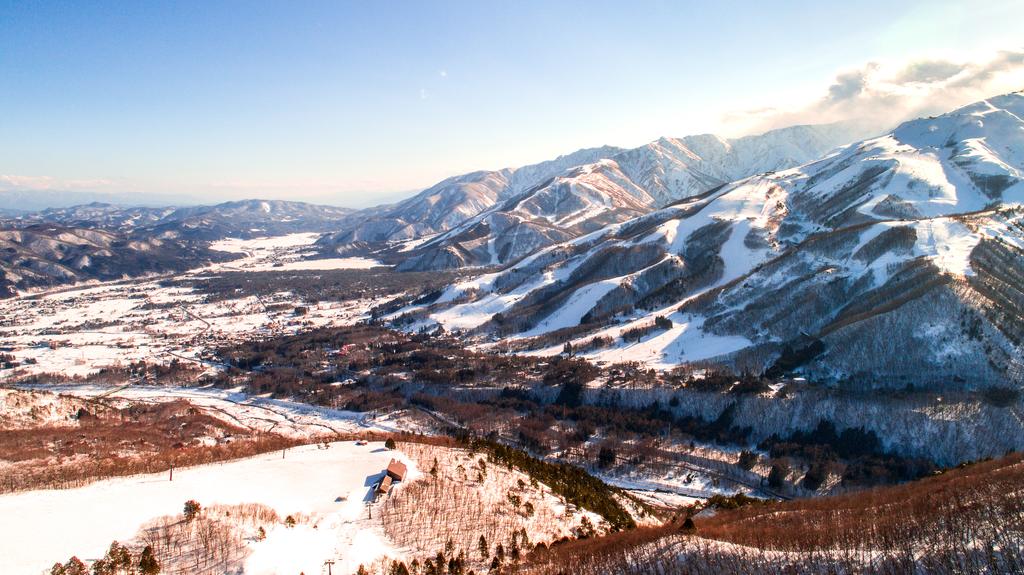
pixel 882 94
pixel 424 94
pixel 12 183
pixel 442 73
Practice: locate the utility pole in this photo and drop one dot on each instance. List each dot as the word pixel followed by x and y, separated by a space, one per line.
pixel 328 563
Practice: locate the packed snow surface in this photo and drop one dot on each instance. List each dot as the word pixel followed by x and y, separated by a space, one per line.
pixel 307 480
pixel 282 253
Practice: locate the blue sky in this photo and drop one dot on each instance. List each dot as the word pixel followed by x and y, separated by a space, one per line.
pixel 348 101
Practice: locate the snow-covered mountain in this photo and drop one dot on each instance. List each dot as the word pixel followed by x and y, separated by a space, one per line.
pixel 251 218
pixel 243 219
pixel 103 241
pixel 585 198
pixel 101 215
pixel 452 201
pixel 45 255
pixel 899 257
pixel 23 201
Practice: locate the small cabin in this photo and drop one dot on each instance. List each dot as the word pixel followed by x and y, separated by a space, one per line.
pixel 396 470
pixel 384 486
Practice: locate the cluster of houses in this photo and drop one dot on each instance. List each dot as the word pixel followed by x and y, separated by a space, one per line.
pixel 395 471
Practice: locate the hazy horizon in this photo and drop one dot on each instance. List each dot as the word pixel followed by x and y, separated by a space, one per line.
pixel 357 105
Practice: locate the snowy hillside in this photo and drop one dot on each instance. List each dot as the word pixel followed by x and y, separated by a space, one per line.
pixel 453 200
pixel 46 255
pixel 332 498
pixel 106 242
pixel 245 218
pixel 631 183
pixel 918 234
pixel 251 218
pixel 519 210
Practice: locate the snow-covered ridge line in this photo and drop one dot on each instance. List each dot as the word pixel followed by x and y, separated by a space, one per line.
pixel 878 235
pixel 496 217
pixel 616 189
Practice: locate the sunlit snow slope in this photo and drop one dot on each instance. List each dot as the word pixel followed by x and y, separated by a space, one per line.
pixel 617 188
pixel 900 258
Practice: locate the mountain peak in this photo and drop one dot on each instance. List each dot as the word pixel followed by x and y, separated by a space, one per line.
pixel 910 234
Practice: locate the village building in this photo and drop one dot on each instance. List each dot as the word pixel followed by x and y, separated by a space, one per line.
pixel 396 470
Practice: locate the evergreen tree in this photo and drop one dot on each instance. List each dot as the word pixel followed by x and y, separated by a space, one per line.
pixel 192 508
pixel 586 529
pixel 748 459
pixel 118 558
pixel 484 548
pixel 390 444
pixel 777 476
pixel 606 457
pixel 148 565
pixel 74 566
pixel 689 525
pixel 101 567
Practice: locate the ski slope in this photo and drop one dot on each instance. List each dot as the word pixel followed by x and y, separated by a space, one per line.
pixel 52 525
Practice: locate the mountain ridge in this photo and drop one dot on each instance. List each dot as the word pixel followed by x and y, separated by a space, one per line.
pixel 583 197
pixel 918 234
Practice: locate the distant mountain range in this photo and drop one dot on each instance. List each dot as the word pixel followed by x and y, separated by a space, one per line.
pixel 47 255
pixel 620 185
pixel 892 261
pixel 453 201
pixel 102 241
pixel 25 201
pixel 241 219
pixel 485 218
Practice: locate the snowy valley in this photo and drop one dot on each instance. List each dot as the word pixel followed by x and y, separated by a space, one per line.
pixel 633 361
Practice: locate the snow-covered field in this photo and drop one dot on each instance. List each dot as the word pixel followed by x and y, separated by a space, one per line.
pixel 77 331
pixel 282 253
pixel 326 490
pixel 52 525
